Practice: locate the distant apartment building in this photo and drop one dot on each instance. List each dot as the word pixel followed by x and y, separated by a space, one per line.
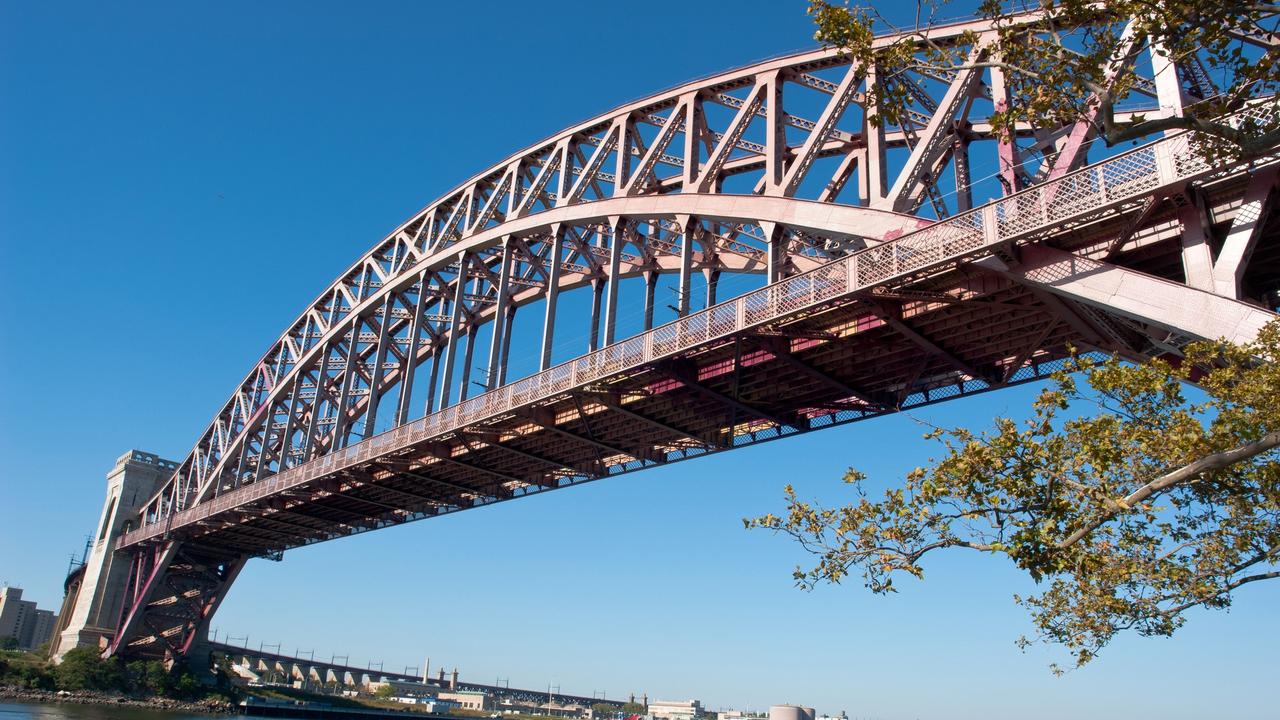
pixel 22 620
pixel 13 611
pixel 675 709
pixel 40 629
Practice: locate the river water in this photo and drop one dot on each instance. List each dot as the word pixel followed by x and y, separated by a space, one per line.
pixel 67 711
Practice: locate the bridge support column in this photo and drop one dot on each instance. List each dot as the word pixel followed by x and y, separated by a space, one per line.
pixel 686 263
pixel 1228 271
pixel 92 616
pixel 597 294
pixel 964 187
pixel 467 358
pixel 500 319
pixel 433 382
pixel 553 294
pixel 1197 256
pixel 411 354
pixel 342 425
pixel 650 289
pixel 455 321
pixel 775 252
pixel 615 270
pixel 1007 150
pixel 199 659
pixel 1168 85
pixel 505 363
pixel 877 166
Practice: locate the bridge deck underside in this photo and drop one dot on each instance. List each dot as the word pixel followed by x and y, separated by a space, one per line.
pixel 966 330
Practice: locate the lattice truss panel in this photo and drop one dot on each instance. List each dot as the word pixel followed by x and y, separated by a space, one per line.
pixel 773 170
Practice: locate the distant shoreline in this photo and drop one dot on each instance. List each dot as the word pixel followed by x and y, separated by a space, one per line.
pixel 86 697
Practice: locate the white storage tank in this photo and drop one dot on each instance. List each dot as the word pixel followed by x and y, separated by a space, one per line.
pixel 787 712
pixel 809 714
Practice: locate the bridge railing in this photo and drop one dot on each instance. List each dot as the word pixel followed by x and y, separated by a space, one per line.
pixel 1125 177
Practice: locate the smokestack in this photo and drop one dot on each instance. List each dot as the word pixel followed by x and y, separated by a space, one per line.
pixel 426 670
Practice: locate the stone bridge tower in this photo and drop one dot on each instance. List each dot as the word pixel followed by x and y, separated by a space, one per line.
pixel 90 618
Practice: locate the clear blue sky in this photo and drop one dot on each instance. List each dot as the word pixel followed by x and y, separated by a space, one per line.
pixel 178 179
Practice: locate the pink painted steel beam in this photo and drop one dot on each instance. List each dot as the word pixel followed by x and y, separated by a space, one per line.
pixel 1154 301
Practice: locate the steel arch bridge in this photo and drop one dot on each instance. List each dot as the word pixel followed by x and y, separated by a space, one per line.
pixel 882 286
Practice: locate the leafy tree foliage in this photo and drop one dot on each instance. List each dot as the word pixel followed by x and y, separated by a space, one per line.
pixel 84 668
pixel 24 670
pixel 148 677
pixel 634 708
pixel 1077 61
pixel 184 685
pixel 1128 501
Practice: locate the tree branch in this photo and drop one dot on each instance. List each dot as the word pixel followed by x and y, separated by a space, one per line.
pixel 1214 461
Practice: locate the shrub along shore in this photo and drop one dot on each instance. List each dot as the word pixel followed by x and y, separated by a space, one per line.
pixel 209 705
pixel 84 677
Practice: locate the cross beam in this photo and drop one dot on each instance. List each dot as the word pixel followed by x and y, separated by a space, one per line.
pixel 689 380
pixel 616 406
pixel 522 453
pixel 780 349
pixel 887 315
pixel 430 479
pixel 589 439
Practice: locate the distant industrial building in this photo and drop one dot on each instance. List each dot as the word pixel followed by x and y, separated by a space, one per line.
pixel 406 691
pixel 22 620
pixel 676 709
pixel 566 710
pixel 468 699
pixel 434 706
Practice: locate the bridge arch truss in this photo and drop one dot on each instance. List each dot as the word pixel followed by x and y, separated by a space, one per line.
pixel 867 241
